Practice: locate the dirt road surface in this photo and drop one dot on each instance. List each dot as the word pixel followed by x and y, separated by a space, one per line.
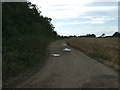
pixel 71 70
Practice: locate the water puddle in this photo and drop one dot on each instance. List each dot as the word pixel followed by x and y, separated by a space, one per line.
pixel 67 50
pixel 55 55
pixel 64 44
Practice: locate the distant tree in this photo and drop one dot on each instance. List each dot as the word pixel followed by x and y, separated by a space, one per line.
pixel 103 35
pixel 82 36
pixel 66 37
pixel 90 35
pixel 108 36
pixel 70 36
pixel 74 36
pixel 116 34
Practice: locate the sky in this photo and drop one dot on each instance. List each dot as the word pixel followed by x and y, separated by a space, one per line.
pixel 81 17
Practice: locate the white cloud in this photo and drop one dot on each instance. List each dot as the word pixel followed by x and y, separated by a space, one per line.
pixel 60 2
pixel 100 20
pixel 69 9
pixel 95 22
pixel 105 0
pixel 72 9
pixel 79 23
pixel 89 20
pixel 104 18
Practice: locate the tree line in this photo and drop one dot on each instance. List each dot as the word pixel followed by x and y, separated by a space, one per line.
pixel 115 35
pixel 25 37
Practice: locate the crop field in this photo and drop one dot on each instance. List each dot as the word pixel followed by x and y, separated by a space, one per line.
pixel 105 50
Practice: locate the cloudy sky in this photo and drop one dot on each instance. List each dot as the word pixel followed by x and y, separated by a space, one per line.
pixel 80 17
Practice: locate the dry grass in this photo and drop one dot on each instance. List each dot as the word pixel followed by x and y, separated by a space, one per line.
pixel 102 49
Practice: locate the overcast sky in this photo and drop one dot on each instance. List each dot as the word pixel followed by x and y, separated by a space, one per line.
pixel 80 17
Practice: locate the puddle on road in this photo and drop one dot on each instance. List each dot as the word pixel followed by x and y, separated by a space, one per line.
pixel 67 50
pixel 64 44
pixel 55 55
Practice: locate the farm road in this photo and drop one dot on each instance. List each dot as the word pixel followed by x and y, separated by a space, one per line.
pixel 71 70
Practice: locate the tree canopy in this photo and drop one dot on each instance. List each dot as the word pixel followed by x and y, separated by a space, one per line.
pixel 26 34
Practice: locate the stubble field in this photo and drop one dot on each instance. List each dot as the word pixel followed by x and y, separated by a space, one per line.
pixel 105 50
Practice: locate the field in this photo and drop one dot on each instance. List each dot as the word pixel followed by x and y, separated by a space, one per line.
pixel 104 50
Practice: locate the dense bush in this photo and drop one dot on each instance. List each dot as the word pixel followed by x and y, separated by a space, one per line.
pixel 26 35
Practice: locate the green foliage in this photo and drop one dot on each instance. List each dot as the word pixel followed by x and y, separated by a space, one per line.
pixel 26 35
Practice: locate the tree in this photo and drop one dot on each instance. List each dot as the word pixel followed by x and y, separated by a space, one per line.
pixel 103 35
pixel 116 34
pixel 90 35
pixel 25 36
